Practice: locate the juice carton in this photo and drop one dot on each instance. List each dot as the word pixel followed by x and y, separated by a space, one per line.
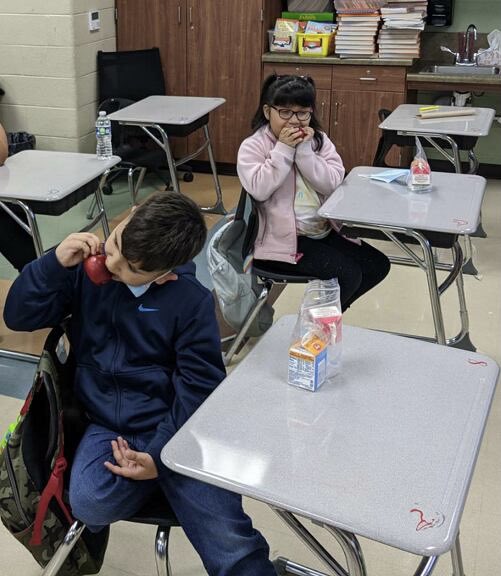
pixel 308 362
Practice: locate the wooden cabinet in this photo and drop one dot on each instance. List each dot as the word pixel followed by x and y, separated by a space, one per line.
pixel 208 48
pixel 358 93
pixel 348 101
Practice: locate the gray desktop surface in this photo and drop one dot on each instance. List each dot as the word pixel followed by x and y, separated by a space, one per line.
pixel 177 110
pixel 47 176
pixel 386 450
pixel 452 206
pixel 405 118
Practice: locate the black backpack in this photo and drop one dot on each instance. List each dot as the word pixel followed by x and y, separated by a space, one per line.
pixel 35 464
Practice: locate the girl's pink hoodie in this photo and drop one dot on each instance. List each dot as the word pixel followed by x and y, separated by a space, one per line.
pixel 267 170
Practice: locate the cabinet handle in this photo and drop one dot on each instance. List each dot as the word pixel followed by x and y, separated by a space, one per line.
pixel 179 14
pixel 336 109
pixel 190 14
pixel 367 78
pixel 322 106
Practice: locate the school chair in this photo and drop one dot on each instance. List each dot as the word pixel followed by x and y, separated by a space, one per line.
pixel 237 253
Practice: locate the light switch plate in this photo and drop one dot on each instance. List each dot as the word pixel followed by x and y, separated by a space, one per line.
pixel 94 22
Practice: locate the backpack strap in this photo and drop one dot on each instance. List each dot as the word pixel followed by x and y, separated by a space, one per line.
pixel 55 484
pixel 53 489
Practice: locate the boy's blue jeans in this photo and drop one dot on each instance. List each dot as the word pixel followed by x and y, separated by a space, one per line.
pixel 212 518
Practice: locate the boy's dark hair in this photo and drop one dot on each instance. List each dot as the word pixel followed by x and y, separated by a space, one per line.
pixel 288 91
pixel 165 231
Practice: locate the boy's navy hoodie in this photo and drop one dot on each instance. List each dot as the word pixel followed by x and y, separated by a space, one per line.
pixel 143 363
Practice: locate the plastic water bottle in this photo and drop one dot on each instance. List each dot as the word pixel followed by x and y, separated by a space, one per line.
pixel 103 136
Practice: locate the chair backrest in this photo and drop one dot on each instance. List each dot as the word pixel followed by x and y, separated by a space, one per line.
pixel 131 74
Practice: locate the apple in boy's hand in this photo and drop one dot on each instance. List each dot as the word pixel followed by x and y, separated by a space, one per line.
pixel 96 270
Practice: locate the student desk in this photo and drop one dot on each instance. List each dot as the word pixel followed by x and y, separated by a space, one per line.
pixel 404 120
pixel 44 182
pixel 386 450
pixel 451 208
pixel 162 117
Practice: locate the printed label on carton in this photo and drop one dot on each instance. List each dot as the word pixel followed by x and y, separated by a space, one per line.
pixel 308 363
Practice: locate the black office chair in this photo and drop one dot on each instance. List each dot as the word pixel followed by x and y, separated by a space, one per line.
pixel 126 77
pixel 266 279
pixel 156 511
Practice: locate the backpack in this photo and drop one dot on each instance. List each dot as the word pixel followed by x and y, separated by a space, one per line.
pixel 237 291
pixel 35 465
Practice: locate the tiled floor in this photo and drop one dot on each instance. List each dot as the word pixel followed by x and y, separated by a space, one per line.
pixel 399 304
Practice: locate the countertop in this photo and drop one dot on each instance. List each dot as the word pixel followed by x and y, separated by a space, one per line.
pixel 285 58
pixel 416 79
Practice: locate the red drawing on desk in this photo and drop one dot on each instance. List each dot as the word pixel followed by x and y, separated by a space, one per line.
pixel 430 521
pixel 477 362
pixel 460 222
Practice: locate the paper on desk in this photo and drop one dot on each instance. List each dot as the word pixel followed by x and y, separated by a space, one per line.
pixel 444 113
pixel 387 175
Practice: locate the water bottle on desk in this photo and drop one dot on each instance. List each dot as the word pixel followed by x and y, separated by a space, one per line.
pixel 103 136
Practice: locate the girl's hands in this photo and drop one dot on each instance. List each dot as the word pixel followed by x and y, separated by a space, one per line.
pixel 76 247
pixel 292 136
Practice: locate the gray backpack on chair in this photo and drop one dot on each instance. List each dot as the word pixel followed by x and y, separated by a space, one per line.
pixel 236 290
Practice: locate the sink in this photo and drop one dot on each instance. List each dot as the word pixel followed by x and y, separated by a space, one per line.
pixel 461 70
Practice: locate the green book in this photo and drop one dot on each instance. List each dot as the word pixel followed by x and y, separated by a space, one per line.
pixel 315 16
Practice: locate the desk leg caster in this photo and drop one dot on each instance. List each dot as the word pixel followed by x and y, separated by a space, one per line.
pixel 283 567
pixel 479 232
pixel 464 343
pixel 469 268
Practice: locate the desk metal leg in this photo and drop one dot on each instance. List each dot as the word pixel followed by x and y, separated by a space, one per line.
pixel 163 142
pixel 431 277
pixel 352 551
pixel 457 559
pixel 218 207
pixel 455 160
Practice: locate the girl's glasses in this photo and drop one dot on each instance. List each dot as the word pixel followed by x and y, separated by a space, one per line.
pixel 287 114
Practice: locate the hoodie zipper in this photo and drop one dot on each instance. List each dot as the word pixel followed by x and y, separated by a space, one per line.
pixel 113 363
pixel 13 484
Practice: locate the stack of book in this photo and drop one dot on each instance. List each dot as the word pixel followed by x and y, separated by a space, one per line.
pixel 403 21
pixel 358 23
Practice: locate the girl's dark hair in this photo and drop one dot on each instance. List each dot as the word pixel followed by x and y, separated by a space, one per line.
pixel 288 91
pixel 165 231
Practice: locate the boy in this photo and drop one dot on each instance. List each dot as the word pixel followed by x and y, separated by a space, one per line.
pixel 148 354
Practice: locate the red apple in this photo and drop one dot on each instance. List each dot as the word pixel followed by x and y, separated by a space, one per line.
pixel 96 270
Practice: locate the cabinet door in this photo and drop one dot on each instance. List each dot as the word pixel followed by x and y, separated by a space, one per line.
pixel 224 60
pixel 323 106
pixel 354 125
pixel 156 23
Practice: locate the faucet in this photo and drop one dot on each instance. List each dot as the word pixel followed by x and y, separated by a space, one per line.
pixel 470 57
pixel 465 56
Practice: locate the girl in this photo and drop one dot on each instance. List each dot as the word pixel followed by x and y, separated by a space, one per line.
pixel 289 167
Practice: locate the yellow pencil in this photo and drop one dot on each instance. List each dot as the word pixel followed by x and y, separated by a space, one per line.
pixel 428 108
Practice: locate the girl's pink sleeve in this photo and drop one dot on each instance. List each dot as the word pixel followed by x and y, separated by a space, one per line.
pixel 262 172
pixel 324 169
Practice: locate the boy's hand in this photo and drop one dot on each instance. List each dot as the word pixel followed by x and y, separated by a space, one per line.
pixel 130 463
pixel 76 247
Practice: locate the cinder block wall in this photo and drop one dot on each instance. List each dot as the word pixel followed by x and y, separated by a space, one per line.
pixel 48 69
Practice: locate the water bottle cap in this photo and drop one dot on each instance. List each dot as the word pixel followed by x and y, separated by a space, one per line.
pixel 102 113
